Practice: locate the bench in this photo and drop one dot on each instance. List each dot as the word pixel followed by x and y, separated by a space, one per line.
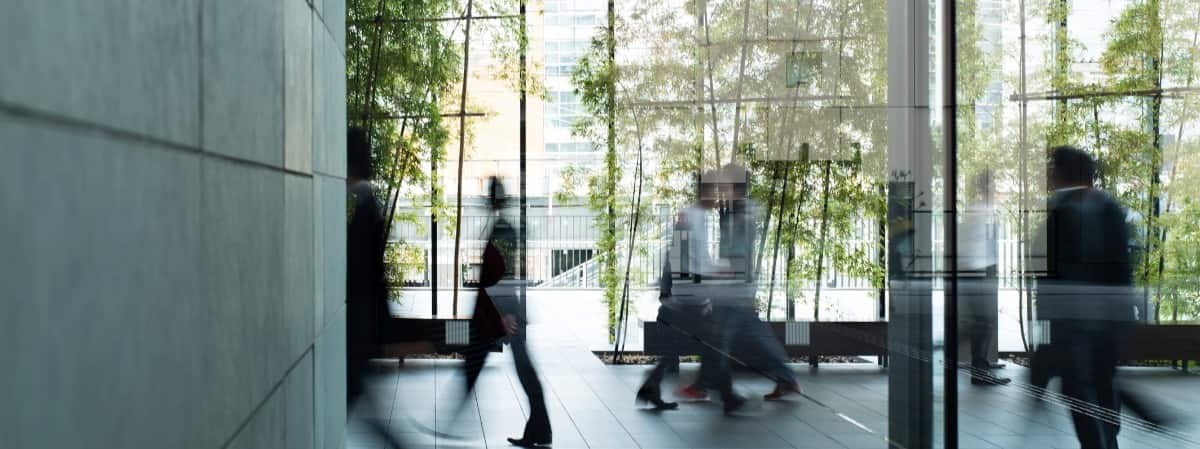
pixel 410 336
pixel 799 338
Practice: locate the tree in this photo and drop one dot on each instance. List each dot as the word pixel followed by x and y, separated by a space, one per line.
pixel 399 66
pixel 673 88
pixel 405 67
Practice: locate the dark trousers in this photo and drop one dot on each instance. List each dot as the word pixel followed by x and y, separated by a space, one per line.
pixel 1087 361
pixel 683 325
pixel 359 350
pixel 977 319
pixel 740 324
pixel 537 428
pixel 981 335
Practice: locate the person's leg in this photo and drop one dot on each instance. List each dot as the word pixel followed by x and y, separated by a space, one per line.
pixel 1046 362
pixel 714 370
pixel 652 387
pixel 379 426
pixel 357 396
pixel 980 336
pixel 654 378
pixel 776 355
pixel 1079 383
pixel 474 358
pixel 733 322
pixel 771 355
pixel 1104 365
pixel 705 328
pixel 537 429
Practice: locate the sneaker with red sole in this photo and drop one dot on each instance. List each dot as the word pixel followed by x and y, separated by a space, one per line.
pixel 692 393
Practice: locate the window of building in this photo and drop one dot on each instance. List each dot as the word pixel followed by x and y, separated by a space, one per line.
pixel 562 109
pixel 570 147
pixel 566 259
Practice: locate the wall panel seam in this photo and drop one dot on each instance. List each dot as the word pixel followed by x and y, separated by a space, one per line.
pixel 327 175
pixel 120 134
pixel 270 394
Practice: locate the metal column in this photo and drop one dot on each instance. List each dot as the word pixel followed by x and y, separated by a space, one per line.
pixel 910 239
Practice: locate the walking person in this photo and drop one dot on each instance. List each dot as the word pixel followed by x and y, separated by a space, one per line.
pixel 979 279
pixel 681 316
pixel 734 299
pixel 1086 295
pixel 366 285
pixel 498 298
pixel 729 283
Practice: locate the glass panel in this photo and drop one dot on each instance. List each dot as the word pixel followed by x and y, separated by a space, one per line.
pixel 1071 260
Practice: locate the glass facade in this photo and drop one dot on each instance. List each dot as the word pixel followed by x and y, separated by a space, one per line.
pixel 956 224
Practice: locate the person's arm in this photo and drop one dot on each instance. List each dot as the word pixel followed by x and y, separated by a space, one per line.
pixel 664 280
pixel 499 261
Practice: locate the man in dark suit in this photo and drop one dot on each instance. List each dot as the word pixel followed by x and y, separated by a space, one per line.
pixel 366 286
pixel 1086 294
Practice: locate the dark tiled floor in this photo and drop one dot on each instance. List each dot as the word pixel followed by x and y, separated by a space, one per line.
pixel 591 406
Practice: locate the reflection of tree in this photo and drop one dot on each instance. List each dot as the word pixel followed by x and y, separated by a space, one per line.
pixel 1148 66
pixel 714 82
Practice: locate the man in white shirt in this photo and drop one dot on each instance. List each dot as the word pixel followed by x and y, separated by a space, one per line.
pixel 978 279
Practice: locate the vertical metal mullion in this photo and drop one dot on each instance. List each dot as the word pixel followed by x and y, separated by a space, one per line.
pixel 523 233
pixel 950 220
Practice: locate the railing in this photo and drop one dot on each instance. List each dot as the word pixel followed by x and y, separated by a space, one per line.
pixel 562 250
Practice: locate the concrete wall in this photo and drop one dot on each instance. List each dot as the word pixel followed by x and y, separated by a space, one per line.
pixel 172 219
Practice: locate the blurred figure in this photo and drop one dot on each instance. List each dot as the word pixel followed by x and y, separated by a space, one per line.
pixel 684 312
pixel 498 313
pixel 366 285
pixel 734 297
pixel 1086 295
pixel 729 283
pixel 978 281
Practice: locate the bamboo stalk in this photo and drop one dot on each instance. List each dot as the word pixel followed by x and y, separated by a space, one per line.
pixel 462 156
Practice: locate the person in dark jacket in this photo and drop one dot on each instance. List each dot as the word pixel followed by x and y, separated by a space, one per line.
pixel 366 285
pixel 499 315
pixel 1086 295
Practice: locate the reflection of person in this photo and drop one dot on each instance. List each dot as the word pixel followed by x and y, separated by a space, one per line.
pixel 978 280
pixel 1086 295
pixel 683 313
pixel 734 304
pixel 366 287
pixel 728 282
pixel 499 285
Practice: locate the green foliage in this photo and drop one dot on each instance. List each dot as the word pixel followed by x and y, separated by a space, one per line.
pixel 1149 45
pixel 405 68
pixel 669 64
pixel 594 79
pixel 403 261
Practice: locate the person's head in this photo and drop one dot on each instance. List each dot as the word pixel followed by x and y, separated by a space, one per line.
pixel 1071 167
pixel 358 154
pixel 496 198
pixel 735 182
pixel 710 189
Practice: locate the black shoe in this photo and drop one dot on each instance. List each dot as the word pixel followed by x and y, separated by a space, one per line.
pixel 990 381
pixel 733 403
pixel 655 397
pixel 529 442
